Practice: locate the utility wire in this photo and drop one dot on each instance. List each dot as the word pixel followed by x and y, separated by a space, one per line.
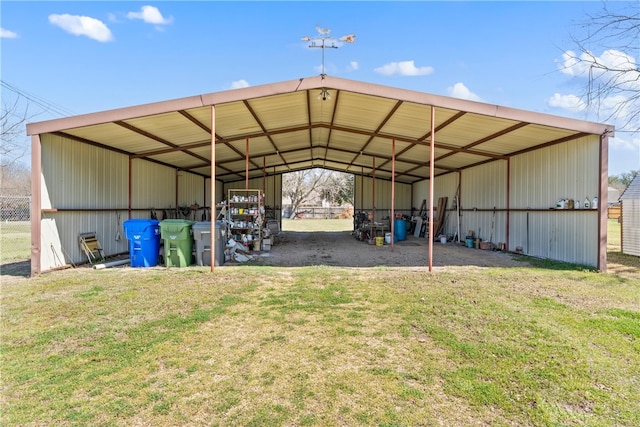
pixel 48 106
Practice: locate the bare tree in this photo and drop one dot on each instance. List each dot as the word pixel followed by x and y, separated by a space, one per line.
pixel 15 179
pixel 312 184
pixel 13 118
pixel 338 188
pixel 613 77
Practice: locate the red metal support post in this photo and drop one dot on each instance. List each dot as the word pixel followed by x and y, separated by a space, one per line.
pixel 392 220
pixel 213 188
pixel 431 178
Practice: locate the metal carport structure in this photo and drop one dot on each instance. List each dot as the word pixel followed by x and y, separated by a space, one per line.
pixel 365 129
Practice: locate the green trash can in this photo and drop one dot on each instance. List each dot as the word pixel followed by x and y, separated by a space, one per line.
pixel 178 242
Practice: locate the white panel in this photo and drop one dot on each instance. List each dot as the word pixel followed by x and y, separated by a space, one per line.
pixel 538 180
pixel 485 187
pixel 564 236
pixel 153 186
pixel 191 189
pixel 445 186
pixel 272 188
pixel 363 195
pixel 631 227
pixel 59 238
pixel 81 176
pixel 569 170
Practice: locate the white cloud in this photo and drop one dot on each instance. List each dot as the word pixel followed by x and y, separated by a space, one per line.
pixel 459 90
pixel 6 34
pixel 150 15
pixel 622 143
pixel 112 17
pixel 239 84
pixel 403 68
pixel 82 26
pixel 567 102
pixel 353 66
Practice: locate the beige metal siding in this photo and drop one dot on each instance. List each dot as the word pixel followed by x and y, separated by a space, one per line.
pixel 445 186
pixel 219 196
pixel 76 175
pixel 272 188
pixel 59 237
pixel 153 186
pixel 80 179
pixel 191 189
pixel 483 189
pixel 538 179
pixel 363 196
pixel 569 170
pixel 631 227
pixel 569 237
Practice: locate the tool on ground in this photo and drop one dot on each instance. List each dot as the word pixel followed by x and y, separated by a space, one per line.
pixel 118 235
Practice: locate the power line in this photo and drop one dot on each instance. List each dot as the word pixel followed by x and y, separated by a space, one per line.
pixel 48 106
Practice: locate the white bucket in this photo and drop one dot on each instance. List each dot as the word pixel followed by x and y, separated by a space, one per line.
pixel 387 238
pixel 443 239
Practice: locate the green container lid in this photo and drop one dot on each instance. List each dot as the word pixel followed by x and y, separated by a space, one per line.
pixel 176 229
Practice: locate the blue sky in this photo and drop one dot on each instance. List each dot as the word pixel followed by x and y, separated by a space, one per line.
pixel 79 57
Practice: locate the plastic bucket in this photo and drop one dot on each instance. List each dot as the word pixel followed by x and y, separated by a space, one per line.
pixel 387 238
pixel 443 239
pixel 469 241
pixel 379 241
pixel 400 229
pixel 144 241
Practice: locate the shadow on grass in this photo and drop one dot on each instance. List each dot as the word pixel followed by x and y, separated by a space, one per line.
pixel 624 264
pixel 617 263
pixel 549 264
pixel 18 269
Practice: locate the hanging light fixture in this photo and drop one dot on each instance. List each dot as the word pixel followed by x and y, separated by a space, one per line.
pixel 324 94
pixel 324 40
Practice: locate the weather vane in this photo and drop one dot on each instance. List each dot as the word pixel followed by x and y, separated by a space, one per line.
pixel 324 40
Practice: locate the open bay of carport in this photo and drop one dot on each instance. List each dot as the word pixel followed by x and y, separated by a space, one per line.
pixel 341 249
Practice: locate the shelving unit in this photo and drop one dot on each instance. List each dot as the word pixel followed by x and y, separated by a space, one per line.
pixel 245 217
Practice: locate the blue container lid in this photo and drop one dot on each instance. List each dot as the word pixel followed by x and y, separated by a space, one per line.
pixel 141 226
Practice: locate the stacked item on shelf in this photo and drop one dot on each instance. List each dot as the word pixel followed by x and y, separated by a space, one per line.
pixel 245 219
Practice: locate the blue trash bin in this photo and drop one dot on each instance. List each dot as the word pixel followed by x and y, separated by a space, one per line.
pixel 144 241
pixel 400 229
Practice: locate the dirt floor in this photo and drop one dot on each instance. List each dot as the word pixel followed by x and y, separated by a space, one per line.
pixel 342 249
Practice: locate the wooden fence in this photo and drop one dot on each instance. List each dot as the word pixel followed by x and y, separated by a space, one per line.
pixel 614 212
pixel 319 212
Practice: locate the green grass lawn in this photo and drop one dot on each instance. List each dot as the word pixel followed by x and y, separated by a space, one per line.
pixel 15 241
pixel 317 224
pixel 320 346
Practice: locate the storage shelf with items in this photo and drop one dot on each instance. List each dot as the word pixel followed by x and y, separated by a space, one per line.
pixel 245 217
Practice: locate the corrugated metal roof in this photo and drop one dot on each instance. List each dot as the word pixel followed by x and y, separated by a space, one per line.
pixel 632 192
pixel 288 128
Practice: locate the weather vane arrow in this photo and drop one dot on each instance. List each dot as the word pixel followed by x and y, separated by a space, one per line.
pixel 324 40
